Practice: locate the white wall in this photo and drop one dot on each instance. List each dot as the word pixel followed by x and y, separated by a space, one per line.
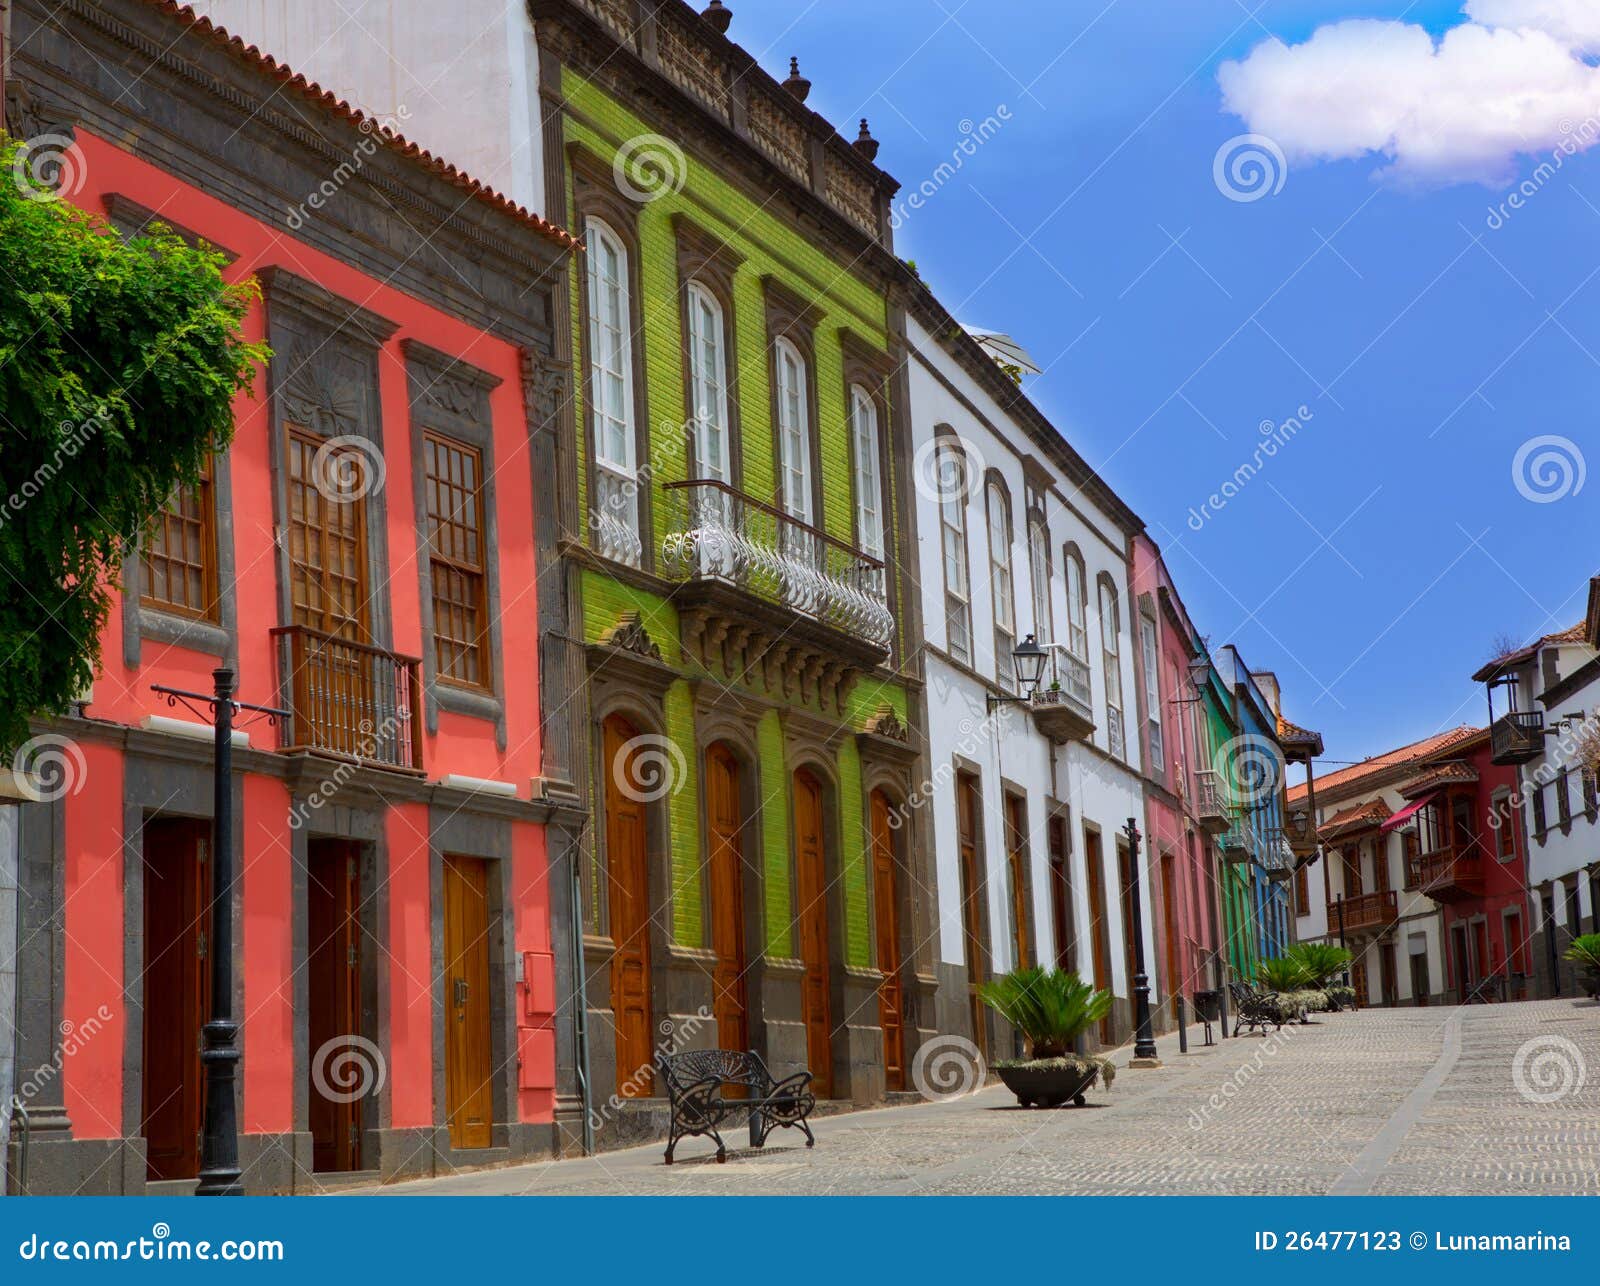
pixel 1098 790
pixel 460 79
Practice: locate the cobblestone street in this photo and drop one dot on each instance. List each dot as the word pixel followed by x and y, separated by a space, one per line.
pixel 1501 1099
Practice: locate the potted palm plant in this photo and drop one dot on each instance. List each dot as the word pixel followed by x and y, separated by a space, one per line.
pixel 1292 986
pixel 1323 963
pixel 1584 951
pixel 1051 1008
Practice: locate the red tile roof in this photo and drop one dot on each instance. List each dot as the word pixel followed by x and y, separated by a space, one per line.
pixel 1343 778
pixel 336 106
pixel 1572 634
pixel 1435 777
pixel 1358 817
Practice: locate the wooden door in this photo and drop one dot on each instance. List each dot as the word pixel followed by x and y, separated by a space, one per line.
pixel 333 931
pixel 1484 966
pixel 628 890
pixel 724 818
pixel 468 1046
pixel 1358 979
pixel 1061 896
pixel 1388 982
pixel 886 919
pixel 1176 982
pixel 972 901
pixel 1017 868
pixel 177 993
pixel 1100 931
pixel 812 893
pixel 1460 962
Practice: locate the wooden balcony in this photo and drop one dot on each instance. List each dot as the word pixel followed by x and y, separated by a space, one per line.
pixel 349 700
pixel 1516 738
pixel 783 594
pixel 1446 875
pixel 1365 914
pixel 1210 805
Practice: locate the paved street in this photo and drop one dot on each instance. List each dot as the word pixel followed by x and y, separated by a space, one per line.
pixel 1413 1101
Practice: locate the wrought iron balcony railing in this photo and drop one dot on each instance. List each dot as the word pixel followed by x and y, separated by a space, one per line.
pixel 715 533
pixel 1063 708
pixel 349 699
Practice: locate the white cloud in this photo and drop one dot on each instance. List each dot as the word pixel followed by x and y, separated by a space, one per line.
pixel 1461 109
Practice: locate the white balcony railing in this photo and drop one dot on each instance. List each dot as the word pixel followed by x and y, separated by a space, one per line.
pixel 715 533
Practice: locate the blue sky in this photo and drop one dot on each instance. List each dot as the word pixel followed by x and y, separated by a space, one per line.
pixel 1372 561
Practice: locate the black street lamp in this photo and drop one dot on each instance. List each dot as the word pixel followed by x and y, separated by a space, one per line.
pixel 1027 660
pixel 1144 1043
pixel 1340 905
pixel 219 1146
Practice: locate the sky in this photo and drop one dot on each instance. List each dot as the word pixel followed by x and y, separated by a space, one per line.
pixel 1217 222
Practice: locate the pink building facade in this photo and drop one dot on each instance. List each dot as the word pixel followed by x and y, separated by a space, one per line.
pixel 1180 858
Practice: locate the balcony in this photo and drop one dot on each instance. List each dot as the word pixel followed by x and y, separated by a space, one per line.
pixel 1064 710
pixel 349 700
pixel 1446 875
pixel 1210 806
pixel 1365 913
pixel 1516 738
pixel 1277 858
pixel 1237 845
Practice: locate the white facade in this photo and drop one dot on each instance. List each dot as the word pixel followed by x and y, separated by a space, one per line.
pixel 1086 787
pixel 460 79
pixel 1559 680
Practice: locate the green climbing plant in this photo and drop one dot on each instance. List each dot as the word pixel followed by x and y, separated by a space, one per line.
pixel 119 363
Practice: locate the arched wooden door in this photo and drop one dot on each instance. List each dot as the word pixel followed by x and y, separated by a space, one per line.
pixel 724 821
pixel 886 908
pixel 811 892
pixel 628 890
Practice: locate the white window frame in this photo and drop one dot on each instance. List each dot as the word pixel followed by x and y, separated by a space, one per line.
pixel 1002 590
pixel 794 432
pixel 1150 655
pixel 871 530
pixel 1039 580
pixel 615 505
pixel 1111 656
pixel 953 552
pixel 708 384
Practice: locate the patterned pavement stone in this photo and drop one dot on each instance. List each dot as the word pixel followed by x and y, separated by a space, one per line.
pixel 1498 1099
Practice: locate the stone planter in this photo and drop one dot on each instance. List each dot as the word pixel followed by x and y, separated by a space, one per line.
pixel 1049 1082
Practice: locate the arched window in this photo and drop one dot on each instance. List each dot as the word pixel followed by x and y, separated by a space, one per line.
pixel 708 385
pixel 1039 578
pixel 794 432
pixel 870 534
pixel 1110 647
pixel 998 507
pixel 1077 606
pixel 615 506
pixel 952 475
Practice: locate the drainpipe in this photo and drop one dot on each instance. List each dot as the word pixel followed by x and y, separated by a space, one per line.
pixel 580 1001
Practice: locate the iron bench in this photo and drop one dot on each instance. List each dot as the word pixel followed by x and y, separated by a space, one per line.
pixel 1254 1008
pixel 696 1079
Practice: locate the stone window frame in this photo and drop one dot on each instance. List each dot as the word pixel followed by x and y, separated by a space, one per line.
pixel 1111 662
pixel 707 261
pixel 302 313
pixel 872 370
pixel 595 194
pixel 142 619
pixel 1072 556
pixel 790 318
pixel 468 419
pixel 1155 723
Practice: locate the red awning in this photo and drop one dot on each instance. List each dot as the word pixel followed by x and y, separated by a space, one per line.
pixel 1407 813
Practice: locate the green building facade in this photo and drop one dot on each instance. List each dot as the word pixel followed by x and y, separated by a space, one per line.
pixel 739 714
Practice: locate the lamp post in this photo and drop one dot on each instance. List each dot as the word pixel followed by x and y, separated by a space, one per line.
pixel 1144 1044
pixel 219 1145
pixel 1340 906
